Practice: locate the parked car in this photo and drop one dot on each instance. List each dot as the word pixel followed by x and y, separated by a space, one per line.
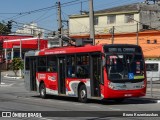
pixel 153 70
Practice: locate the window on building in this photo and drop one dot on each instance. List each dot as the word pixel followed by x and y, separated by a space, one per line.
pixel 151 66
pixel 145 26
pixel 129 18
pixel 111 19
pixel 95 20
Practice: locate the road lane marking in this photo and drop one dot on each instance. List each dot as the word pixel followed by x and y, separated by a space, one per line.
pixel 114 109
pixel 102 108
pixel 6 85
pixel 95 106
pixel 43 118
pixel 77 104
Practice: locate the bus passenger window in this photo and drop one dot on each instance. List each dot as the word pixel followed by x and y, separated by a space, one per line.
pixel 41 67
pixel 70 71
pixel 71 66
pixel 82 68
pixel 51 64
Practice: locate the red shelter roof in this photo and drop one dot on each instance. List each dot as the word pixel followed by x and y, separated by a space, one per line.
pixel 26 43
pixel 11 37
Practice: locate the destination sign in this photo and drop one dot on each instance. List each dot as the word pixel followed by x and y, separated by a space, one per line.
pixel 122 50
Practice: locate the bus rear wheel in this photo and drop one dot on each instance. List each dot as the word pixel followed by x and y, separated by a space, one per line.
pixel 42 91
pixel 82 94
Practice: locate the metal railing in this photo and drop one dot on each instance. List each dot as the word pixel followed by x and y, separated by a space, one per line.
pixel 153 87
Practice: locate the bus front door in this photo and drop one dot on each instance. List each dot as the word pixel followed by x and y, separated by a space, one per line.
pixel 61 75
pixel 33 74
pixel 95 73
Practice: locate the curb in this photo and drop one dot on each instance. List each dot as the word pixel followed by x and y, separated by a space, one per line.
pixel 13 77
pixel 154 100
pixel 2 83
pixel 5 85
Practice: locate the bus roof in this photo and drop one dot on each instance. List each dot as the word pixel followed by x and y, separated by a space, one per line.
pixel 65 50
pixel 74 49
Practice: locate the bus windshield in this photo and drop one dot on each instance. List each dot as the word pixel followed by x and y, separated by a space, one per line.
pixel 125 66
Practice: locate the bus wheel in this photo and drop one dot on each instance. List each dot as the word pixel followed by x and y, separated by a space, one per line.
pixel 42 90
pixel 82 94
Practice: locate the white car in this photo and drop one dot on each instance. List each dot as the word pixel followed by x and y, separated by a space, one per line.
pixel 153 70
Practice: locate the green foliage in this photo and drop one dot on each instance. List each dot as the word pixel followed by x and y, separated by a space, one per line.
pixel 16 65
pixel 4 29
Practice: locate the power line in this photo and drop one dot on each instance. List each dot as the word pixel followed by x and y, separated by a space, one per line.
pixel 39 10
pixel 75 3
pixel 40 17
pixel 30 12
pixel 9 13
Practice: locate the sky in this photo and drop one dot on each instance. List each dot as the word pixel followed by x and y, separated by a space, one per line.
pixel 44 12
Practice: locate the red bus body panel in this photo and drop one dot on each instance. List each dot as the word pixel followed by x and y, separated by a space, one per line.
pixel 51 79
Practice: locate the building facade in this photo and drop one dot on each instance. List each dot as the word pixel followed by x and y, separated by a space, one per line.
pixel 125 19
pixel 31 29
pixel 133 24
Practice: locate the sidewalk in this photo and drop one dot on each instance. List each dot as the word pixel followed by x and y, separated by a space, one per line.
pixel 7 78
pixel 155 99
pixel 10 74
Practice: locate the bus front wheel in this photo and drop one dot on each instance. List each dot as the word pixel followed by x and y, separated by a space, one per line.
pixel 42 90
pixel 82 94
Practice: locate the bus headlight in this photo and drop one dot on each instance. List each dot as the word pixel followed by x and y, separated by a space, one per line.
pixel 110 85
pixel 142 86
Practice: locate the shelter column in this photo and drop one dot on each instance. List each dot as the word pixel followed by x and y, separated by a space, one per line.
pixel 5 53
pixel 5 56
pixel 12 54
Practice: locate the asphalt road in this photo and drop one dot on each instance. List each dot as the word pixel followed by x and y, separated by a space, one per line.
pixel 14 98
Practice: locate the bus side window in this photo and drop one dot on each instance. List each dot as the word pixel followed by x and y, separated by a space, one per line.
pixel 27 61
pixel 82 68
pixel 41 67
pixel 51 64
pixel 71 66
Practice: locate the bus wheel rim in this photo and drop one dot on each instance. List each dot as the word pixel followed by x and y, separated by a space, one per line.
pixel 83 94
pixel 42 92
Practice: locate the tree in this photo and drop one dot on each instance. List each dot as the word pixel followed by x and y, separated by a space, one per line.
pixel 4 29
pixel 16 65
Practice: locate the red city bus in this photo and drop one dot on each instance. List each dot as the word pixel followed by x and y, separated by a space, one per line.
pixel 114 71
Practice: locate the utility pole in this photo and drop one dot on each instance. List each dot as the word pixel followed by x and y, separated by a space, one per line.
pixel 91 19
pixel 112 30
pixel 67 23
pixel 39 41
pixel 20 55
pixel 81 8
pixel 137 33
pixel 59 25
pixel 20 71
